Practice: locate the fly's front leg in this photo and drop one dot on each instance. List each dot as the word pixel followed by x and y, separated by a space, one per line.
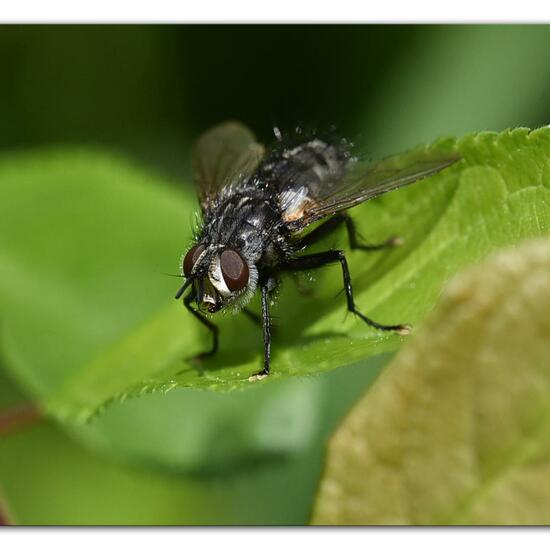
pixel 207 323
pixel 266 321
pixel 321 259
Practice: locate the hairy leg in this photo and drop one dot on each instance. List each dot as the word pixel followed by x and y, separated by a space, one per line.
pixel 333 223
pixel 266 320
pixel 321 259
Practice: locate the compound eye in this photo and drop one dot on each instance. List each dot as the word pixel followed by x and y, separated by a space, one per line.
pixel 191 258
pixel 234 270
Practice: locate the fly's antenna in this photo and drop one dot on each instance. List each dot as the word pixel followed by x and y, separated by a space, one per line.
pixel 183 288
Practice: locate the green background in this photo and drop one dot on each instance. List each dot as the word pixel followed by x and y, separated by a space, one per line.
pixel 147 92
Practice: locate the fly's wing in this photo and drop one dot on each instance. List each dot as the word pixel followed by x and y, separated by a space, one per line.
pixel 362 181
pixel 223 155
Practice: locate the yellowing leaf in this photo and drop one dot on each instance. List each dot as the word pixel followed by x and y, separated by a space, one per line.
pixel 457 429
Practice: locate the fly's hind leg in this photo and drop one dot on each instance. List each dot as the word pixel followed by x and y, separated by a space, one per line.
pixel 354 243
pixel 321 259
pixel 342 218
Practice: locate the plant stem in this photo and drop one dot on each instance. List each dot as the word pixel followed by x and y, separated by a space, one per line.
pixel 19 416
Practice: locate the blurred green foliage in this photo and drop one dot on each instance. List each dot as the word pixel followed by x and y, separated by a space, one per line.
pixel 150 89
pixel 147 91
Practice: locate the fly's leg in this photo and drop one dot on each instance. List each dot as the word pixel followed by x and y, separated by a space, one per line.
pixel 208 324
pixel 333 223
pixel 354 243
pixel 321 259
pixel 322 231
pixel 266 320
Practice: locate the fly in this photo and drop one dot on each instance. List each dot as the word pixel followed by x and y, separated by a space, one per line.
pixel 256 204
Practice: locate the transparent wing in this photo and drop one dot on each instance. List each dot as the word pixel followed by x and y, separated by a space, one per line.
pixel 222 155
pixel 364 181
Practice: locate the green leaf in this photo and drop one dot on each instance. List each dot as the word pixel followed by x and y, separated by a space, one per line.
pixel 176 432
pixel 83 238
pixel 206 433
pixel 47 478
pixel 456 430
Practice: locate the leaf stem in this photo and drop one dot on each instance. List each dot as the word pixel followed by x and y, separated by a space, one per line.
pixel 5 518
pixel 18 417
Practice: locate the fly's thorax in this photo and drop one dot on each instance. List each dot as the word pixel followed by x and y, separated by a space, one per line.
pixel 238 234
pixel 243 220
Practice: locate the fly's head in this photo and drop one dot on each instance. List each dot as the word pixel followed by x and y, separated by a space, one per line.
pixel 222 277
